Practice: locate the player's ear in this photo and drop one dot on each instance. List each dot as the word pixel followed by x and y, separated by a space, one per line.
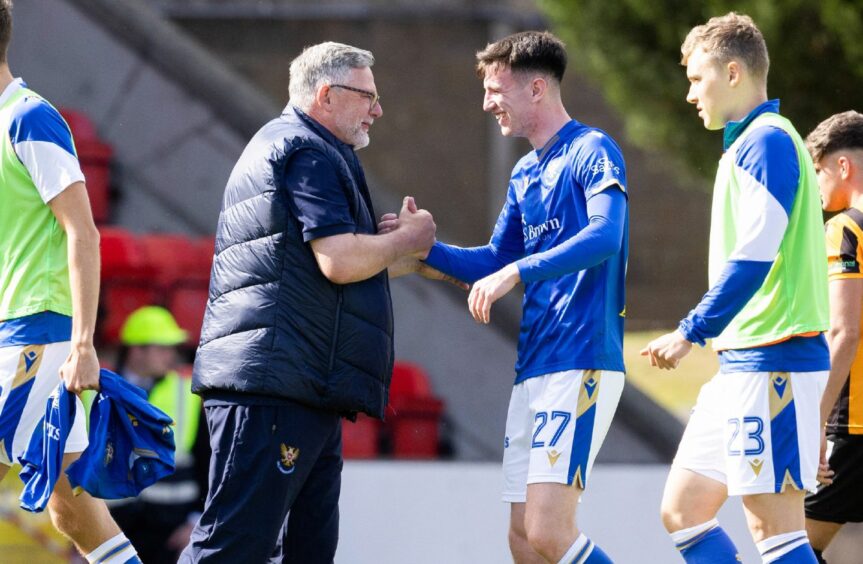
pixel 538 87
pixel 845 166
pixel 733 72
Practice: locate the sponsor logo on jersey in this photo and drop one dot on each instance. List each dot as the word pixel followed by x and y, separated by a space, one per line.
pixel 553 455
pixel 287 459
pixel 543 230
pixel 605 165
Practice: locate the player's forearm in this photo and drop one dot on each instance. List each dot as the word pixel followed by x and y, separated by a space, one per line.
pixel 738 283
pixel 83 253
pixel 843 344
pixel 468 264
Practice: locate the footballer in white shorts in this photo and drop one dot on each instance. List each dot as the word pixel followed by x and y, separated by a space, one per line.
pixel 756 432
pixel 555 426
pixel 29 374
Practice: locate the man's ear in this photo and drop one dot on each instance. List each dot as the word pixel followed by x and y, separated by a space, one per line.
pixel 538 87
pixel 733 71
pixel 846 167
pixel 322 97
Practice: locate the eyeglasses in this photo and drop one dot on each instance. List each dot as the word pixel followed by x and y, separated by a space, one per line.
pixel 373 97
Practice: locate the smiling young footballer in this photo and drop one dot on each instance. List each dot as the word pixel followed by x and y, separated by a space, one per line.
pixel 754 431
pixel 563 232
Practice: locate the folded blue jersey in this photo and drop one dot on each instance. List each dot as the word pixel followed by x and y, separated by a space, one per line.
pixel 131 445
pixel 43 459
pixel 131 442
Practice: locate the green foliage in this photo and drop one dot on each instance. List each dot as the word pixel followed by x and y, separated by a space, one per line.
pixel 631 49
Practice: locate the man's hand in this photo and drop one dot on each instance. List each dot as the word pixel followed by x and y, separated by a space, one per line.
pixel 490 289
pixel 418 227
pixel 81 370
pixel 825 474
pixel 666 351
pixel 389 222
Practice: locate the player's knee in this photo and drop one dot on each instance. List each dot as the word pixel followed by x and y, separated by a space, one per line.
pixel 672 518
pixel 543 540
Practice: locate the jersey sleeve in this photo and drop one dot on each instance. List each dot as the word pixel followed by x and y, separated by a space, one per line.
pixel 317 195
pixel 471 264
pixel 43 142
pixel 599 164
pixel 844 234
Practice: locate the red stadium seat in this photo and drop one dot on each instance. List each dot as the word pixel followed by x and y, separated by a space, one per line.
pixel 95 159
pixel 120 298
pixel 414 420
pixel 360 438
pixel 409 380
pixel 188 304
pixel 173 258
pixel 122 256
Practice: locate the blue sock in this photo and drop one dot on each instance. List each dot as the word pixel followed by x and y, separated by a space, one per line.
pixel 706 543
pixel 584 551
pixel 787 548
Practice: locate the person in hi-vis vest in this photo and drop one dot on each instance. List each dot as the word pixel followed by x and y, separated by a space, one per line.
pixel 161 518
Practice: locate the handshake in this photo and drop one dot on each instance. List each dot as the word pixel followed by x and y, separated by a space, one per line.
pixel 415 227
pixel 415 230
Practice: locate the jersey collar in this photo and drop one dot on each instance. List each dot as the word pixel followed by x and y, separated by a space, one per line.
pixel 734 129
pixel 564 133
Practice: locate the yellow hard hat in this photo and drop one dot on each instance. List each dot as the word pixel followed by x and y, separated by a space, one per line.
pixel 152 325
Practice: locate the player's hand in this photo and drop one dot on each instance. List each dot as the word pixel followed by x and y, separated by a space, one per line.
pixel 490 289
pixel 180 537
pixel 81 370
pixel 666 351
pixel 825 474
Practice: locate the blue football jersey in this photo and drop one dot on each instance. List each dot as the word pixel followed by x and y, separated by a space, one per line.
pixel 572 321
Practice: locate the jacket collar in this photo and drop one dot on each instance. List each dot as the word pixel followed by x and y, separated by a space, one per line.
pixel 325 133
pixel 734 129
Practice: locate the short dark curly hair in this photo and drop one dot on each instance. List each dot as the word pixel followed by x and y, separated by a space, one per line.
pixel 839 131
pixel 537 51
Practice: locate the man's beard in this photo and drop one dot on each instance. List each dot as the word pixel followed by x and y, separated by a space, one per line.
pixel 355 135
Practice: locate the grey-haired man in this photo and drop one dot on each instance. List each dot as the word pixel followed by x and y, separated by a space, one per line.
pixel 298 328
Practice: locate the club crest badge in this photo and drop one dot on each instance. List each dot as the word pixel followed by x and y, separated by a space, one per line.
pixel 288 458
pixel 109 453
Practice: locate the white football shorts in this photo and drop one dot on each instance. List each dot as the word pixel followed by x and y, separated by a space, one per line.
pixel 555 427
pixel 756 432
pixel 29 374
